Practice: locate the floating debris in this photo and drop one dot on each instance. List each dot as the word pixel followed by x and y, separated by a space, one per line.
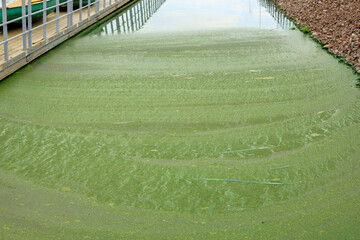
pixel 65 189
pixel 240 181
pixel 244 150
pixel 125 122
pixel 265 78
pixel 280 167
pixel 275 180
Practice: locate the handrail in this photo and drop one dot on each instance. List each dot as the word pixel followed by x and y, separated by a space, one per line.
pixel 129 20
pixel 26 19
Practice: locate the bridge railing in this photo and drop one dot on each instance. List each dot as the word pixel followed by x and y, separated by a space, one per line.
pixel 28 13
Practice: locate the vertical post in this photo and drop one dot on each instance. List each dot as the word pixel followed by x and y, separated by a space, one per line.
pixel 88 7
pixel 5 30
pixel 127 20
pixel 123 22
pixel 80 10
pixel 134 17
pixel 57 15
pixel 112 28
pixel 150 4
pixel 142 14
pixel 23 21
pixel 44 19
pixel 131 20
pixel 70 13
pixel 146 8
pixel 118 24
pixel 97 5
pixel 104 3
pixel 29 23
pixel 150 8
pixel 137 17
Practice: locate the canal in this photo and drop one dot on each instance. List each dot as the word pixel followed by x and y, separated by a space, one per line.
pixel 182 119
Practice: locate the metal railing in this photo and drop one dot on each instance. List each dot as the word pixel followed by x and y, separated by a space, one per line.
pixel 27 14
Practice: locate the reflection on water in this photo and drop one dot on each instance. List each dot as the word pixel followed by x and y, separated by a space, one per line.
pixel 178 15
pixel 131 19
pixel 277 14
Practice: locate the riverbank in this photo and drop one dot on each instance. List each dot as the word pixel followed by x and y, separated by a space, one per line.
pixel 336 24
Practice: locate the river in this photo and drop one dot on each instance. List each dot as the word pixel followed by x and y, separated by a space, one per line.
pixel 193 119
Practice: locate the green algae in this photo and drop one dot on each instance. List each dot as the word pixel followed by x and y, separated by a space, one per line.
pixel 117 128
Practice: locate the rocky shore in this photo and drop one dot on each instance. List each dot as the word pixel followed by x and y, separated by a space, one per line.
pixel 335 23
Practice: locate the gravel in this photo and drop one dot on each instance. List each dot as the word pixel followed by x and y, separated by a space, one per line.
pixel 335 23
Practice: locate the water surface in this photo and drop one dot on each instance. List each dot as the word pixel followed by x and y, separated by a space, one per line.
pixel 130 128
pixel 178 16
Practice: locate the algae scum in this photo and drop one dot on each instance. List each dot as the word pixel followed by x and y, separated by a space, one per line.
pixel 218 134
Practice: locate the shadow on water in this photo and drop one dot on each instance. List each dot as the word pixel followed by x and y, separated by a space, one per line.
pixel 135 16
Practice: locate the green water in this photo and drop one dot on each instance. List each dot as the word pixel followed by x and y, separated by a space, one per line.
pixel 113 137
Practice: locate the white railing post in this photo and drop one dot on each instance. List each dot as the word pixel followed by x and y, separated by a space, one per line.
pixel 57 15
pixel 97 5
pixel 80 10
pixel 23 21
pixel 5 30
pixel 69 13
pixel 88 7
pixel 44 19
pixel 29 12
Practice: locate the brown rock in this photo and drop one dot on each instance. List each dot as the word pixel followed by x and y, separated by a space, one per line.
pixel 335 23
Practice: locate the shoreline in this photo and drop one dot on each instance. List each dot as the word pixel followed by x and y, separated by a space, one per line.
pixel 335 24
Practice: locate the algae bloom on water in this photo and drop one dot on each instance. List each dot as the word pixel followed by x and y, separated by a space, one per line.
pixel 205 134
